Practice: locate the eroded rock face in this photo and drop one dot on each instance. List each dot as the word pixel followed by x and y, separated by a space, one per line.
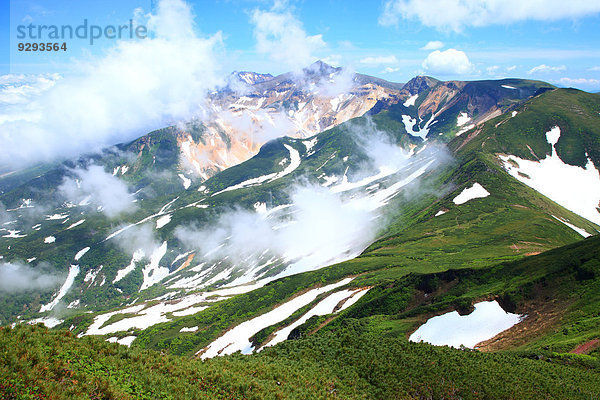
pixel 241 119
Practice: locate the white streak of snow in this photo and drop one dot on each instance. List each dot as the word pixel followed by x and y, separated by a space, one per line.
pixel 73 272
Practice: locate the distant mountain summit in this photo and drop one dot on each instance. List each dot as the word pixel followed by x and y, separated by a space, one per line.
pixel 321 68
pixel 251 78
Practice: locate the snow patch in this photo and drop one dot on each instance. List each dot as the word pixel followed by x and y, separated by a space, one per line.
pixel 452 329
pixel 76 224
pixel 474 192
pixel 81 253
pixel 90 276
pixel 162 221
pixel 50 322
pixel 576 229
pixel 186 181
pixel 14 234
pixel 294 163
pixel 462 119
pixel 465 129
pixel 324 307
pixel 56 216
pixel 123 272
pixel 410 101
pixel 50 239
pixel 153 273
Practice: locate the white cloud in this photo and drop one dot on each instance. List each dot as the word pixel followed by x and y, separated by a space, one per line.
pixel 389 70
pixel 448 62
pixel 379 60
pixel 95 186
pixel 281 36
pixel 455 15
pixel 511 68
pixel 543 68
pixel 597 68
pixel 580 82
pixel 135 87
pixel 433 45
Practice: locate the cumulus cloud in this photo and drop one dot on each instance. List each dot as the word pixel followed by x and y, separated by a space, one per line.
pixel 19 277
pixel 448 62
pixel 135 87
pixel 281 36
pixel 379 60
pixel 455 15
pixel 97 187
pixel 433 45
pixel 543 68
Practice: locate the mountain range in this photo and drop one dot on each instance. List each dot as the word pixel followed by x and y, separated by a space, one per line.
pixel 335 212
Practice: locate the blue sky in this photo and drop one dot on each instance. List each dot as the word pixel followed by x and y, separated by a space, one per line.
pixel 559 44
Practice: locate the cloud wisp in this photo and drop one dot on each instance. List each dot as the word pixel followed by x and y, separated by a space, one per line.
pixel 135 87
pixel 456 15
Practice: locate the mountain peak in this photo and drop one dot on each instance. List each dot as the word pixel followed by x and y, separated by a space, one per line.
pixel 420 83
pixel 321 68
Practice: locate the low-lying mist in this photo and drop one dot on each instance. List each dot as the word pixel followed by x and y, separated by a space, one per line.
pixel 18 277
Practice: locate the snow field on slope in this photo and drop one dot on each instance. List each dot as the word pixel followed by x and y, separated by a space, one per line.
pixel 238 338
pixel 324 307
pixel 575 188
pixel 453 329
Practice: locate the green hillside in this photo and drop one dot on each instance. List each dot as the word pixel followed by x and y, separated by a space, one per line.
pixel 361 354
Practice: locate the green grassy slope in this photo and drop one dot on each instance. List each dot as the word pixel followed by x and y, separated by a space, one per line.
pixel 348 363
